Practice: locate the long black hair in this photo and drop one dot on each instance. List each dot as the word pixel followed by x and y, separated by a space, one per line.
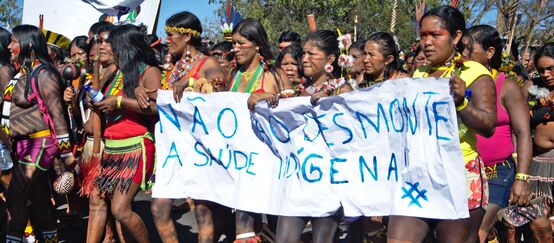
pixel 5 39
pixel 487 37
pixel 81 43
pixel 225 47
pixel 131 51
pixel 326 41
pixel 452 19
pixel 295 50
pixel 187 20
pixel 290 36
pixel 387 47
pixel 544 51
pixel 253 31
pixel 32 43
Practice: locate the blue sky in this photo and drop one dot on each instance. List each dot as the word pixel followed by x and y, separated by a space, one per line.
pixel 200 8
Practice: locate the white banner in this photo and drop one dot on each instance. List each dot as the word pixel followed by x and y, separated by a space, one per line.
pixel 392 149
pixel 72 18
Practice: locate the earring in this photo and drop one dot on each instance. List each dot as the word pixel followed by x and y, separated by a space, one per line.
pixel 329 68
pixel 187 53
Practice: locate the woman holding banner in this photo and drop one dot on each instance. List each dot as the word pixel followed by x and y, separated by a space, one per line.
pixel 190 67
pixel 496 151
pixel 473 90
pixel 254 74
pixel 320 67
pixel 128 156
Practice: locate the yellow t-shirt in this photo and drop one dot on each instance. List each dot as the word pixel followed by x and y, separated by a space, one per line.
pixel 473 70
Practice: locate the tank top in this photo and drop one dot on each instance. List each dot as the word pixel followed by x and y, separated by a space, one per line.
pixel 472 71
pixel 7 96
pixel 258 76
pixel 499 147
pixel 127 123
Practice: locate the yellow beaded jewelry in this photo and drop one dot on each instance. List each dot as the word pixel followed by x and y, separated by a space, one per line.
pixel 182 30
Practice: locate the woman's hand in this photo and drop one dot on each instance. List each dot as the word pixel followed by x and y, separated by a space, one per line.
pixel 68 95
pixel 143 96
pixel 315 97
pixel 520 193
pixel 271 99
pixel 179 88
pixel 107 105
pixel 457 89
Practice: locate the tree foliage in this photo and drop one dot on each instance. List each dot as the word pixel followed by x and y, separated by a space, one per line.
pixel 10 13
pixel 373 15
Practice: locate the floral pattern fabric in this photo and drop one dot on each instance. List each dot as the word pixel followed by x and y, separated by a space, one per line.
pixel 477 186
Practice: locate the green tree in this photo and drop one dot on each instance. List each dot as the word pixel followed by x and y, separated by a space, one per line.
pixel 373 15
pixel 10 13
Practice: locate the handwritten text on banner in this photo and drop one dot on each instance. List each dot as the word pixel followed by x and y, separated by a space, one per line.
pixel 392 149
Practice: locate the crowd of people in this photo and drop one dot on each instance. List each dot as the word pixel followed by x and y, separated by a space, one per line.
pixel 88 106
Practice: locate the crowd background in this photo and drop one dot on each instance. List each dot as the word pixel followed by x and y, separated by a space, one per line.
pixel 254 54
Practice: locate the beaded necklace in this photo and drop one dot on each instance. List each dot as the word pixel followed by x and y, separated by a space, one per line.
pixel 448 67
pixel 179 70
pixel 255 79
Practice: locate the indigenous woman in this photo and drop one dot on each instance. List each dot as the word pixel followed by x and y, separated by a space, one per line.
pixel 255 75
pixel 442 29
pixel 223 52
pixel 419 60
pixel 128 156
pixel 6 163
pixel 90 161
pixel 381 60
pixel 541 103
pixel 191 66
pixel 496 151
pixel 357 71
pixel 290 61
pixel 319 63
pixel 40 133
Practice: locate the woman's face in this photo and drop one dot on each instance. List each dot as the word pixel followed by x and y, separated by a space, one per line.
pixel 314 60
pixel 528 61
pixel 290 66
pixel 245 50
pixel 358 65
pixel 374 61
pixel 478 54
pixel 419 60
pixel 221 59
pixel 436 42
pixel 545 67
pixel 77 54
pixel 14 48
pixel 177 42
pixel 105 52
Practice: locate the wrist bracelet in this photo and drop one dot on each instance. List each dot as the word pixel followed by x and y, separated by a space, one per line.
pixel 463 105
pixel 522 177
pixel 119 99
pixel 191 82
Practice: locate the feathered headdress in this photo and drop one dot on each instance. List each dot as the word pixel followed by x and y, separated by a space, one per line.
pixel 232 17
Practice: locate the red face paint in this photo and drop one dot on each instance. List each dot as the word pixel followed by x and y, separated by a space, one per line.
pixel 15 52
pixel 433 32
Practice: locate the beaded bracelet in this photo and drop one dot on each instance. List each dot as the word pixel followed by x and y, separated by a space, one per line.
pixel 463 105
